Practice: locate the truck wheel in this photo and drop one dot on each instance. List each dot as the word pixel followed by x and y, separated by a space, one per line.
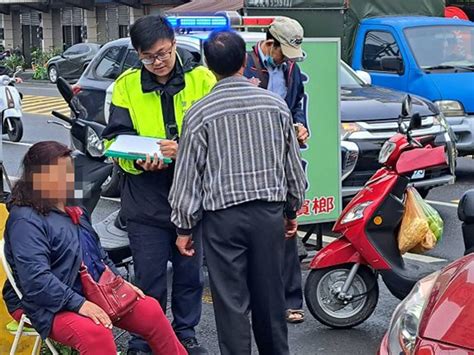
pixel 16 132
pixel 321 291
pixel 111 186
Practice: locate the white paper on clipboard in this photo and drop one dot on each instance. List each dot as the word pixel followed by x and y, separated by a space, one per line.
pixel 136 146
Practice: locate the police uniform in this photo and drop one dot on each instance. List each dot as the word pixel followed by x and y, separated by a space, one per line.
pixel 142 106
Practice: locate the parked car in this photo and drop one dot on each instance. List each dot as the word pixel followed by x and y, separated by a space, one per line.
pixel 113 59
pixel 369 114
pixel 436 317
pixel 72 63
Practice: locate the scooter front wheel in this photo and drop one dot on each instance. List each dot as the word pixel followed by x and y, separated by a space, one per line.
pixel 15 131
pixel 323 295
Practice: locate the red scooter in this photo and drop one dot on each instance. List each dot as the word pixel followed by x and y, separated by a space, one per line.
pixel 342 289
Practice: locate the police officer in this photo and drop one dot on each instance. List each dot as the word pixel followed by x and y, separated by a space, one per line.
pixel 151 101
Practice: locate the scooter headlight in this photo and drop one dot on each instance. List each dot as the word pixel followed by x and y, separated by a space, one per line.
pixel 386 151
pixel 95 145
pixel 356 212
pixel 405 321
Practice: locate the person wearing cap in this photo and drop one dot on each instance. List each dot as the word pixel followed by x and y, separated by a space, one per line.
pixel 272 64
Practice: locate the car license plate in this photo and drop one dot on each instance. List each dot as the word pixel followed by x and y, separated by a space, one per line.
pixel 419 174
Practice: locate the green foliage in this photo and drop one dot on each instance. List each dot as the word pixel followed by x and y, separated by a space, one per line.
pixel 13 62
pixel 40 73
pixel 39 59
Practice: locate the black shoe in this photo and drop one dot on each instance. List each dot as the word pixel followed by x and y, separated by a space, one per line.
pixel 193 347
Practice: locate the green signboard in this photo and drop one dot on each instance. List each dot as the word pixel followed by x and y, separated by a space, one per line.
pixel 322 153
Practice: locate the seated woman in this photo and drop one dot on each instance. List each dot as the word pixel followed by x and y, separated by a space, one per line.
pixel 46 243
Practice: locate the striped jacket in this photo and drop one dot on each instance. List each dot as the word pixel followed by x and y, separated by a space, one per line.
pixel 238 145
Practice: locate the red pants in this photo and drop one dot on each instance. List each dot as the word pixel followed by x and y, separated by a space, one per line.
pixel 147 320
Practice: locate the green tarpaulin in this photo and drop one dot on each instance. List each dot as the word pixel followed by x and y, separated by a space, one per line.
pixel 340 18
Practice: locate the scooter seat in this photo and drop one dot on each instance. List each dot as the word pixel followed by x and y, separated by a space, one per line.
pixel 400 281
pixel 114 240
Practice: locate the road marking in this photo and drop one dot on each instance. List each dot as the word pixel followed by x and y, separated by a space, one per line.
pixel 43 105
pixel 418 257
pixel 445 204
pixel 18 143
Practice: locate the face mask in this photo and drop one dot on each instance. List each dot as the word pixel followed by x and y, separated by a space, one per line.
pixel 270 61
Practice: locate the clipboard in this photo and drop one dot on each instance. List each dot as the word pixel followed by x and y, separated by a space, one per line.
pixel 132 147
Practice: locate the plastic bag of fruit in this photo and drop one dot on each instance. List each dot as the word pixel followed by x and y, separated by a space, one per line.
pixel 435 222
pixel 414 226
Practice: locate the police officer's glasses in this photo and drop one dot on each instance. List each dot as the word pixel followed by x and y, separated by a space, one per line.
pixel 162 57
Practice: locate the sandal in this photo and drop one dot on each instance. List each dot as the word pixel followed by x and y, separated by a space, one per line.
pixel 294 316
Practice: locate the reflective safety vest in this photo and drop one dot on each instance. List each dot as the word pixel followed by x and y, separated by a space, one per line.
pixel 146 110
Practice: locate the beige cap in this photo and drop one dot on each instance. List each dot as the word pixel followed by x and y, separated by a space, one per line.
pixel 290 34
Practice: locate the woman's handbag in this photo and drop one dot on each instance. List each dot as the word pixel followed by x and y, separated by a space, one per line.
pixel 111 293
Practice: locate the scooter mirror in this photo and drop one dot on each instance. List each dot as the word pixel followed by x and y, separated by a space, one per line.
pixel 65 90
pixel 407 106
pixel 415 122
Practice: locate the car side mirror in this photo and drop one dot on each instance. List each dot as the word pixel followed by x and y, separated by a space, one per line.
pixel 364 76
pixel 392 64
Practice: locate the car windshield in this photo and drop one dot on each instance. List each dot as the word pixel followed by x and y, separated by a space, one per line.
pixel 442 47
pixel 348 78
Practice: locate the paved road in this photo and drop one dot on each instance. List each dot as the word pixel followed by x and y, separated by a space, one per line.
pixel 43 105
pixel 310 337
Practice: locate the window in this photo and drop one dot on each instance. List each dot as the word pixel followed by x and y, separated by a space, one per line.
pixel 381 53
pixel 347 77
pixel 442 46
pixel 82 48
pixel 72 51
pixel 77 34
pixel 109 65
pixel 131 60
pixel 123 31
pixel 77 49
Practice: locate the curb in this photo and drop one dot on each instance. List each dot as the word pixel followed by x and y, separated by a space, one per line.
pixel 27 76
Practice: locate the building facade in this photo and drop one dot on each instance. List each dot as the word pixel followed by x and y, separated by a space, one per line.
pixel 26 25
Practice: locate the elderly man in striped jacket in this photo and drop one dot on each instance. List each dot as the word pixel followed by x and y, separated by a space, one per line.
pixel 239 172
